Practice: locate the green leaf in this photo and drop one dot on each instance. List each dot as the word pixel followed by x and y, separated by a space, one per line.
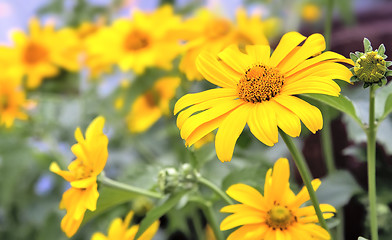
pixel 381 50
pixel 388 73
pixel 158 211
pixel 367 45
pixel 108 198
pixel 340 103
pixel 353 57
pixel 338 188
pixel 388 63
pixel 362 238
pixel 383 102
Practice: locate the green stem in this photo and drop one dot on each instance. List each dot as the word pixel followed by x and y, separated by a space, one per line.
pixel 210 216
pixel 328 24
pixel 214 188
pixel 122 186
pixel 371 157
pixel 305 174
pixel 326 140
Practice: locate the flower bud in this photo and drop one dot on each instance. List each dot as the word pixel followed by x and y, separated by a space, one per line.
pixel 370 67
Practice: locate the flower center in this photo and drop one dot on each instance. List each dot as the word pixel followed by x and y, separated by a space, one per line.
pixel 370 68
pixel 260 83
pixel 218 28
pixel 136 40
pixel 3 102
pixel 82 172
pixel 279 217
pixel 35 53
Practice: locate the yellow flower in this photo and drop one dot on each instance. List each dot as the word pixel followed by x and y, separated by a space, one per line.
pixel 119 230
pixel 212 33
pixel 149 107
pixel 41 53
pixel 311 12
pixel 257 89
pixel 91 155
pixel 138 43
pixel 12 97
pixel 277 214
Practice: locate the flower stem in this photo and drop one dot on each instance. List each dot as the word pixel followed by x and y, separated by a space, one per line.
pixel 122 186
pixel 214 188
pixel 371 157
pixel 326 140
pixel 328 24
pixel 305 175
pixel 206 206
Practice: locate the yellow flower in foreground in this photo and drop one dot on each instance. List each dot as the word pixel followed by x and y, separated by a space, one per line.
pixel 257 89
pixel 148 108
pixel 12 99
pixel 277 214
pixel 138 43
pixel 119 230
pixel 212 33
pixel 41 53
pixel 91 155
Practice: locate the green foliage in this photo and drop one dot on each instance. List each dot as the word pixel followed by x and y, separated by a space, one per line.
pixel 158 211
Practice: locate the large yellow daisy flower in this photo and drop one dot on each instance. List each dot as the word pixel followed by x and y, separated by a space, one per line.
pixel 91 155
pixel 120 230
pixel 141 42
pixel 277 214
pixel 44 50
pixel 258 89
pixel 207 31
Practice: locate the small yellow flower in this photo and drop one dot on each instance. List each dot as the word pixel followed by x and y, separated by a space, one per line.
pixel 12 98
pixel 212 33
pixel 44 50
pixel 260 90
pixel 276 215
pixel 311 12
pixel 119 230
pixel 149 107
pixel 138 43
pixel 91 155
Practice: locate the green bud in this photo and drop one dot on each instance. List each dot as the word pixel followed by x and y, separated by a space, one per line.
pixel 370 67
pixel 168 180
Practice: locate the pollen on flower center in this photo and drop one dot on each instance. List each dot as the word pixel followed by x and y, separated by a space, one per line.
pixel 260 83
pixel 218 28
pixel 35 53
pixel 279 217
pixel 136 40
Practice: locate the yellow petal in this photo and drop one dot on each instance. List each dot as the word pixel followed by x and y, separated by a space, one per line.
pixel 95 128
pixel 198 119
pixel 70 225
pixel 209 66
pixel 98 236
pixel 309 115
pixel 312 84
pixel 331 56
pixel 84 183
pixel 259 53
pixel 235 59
pixel 315 231
pixel 185 114
pixel 287 43
pixel 309 210
pixel 238 219
pixel 229 131
pixel 249 232
pixel 286 119
pixel 205 129
pixel 257 129
pixel 303 195
pixel 54 167
pixel 195 98
pixel 313 45
pixel 327 69
pixel 247 195
pixel 280 178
